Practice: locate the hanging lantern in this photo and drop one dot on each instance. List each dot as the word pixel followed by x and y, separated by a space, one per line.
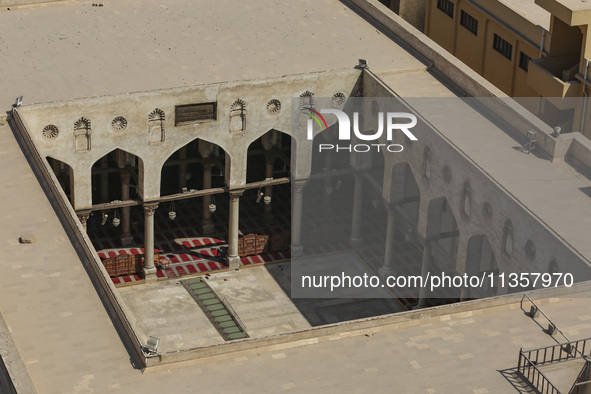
pixel 267 200
pixel 212 207
pixel 116 220
pixel 172 212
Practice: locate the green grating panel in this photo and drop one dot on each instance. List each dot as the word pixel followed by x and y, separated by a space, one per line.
pixel 231 330
pixel 201 291
pixel 216 307
pixel 192 281
pixel 237 335
pixel 220 313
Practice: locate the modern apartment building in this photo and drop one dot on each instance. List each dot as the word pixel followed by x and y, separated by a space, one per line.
pixel 536 49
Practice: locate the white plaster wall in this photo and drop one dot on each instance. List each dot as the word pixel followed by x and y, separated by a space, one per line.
pixel 135 107
pixel 484 188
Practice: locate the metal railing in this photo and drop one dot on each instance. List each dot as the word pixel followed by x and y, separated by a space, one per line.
pixel 530 371
pixel 530 360
pixel 582 380
pixel 533 311
pixel 560 352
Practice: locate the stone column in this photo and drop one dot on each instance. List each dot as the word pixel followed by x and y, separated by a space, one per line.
pixel 207 226
pixel 268 216
pixel 126 238
pixel 182 168
pixel 425 267
pixel 104 180
pixel 83 216
pixel 328 186
pixel 297 249
pixel 232 257
pixel 471 262
pixel 355 238
pixel 149 268
pixel 388 267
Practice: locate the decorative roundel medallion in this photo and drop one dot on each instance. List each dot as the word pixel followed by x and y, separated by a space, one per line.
pixel 446 174
pixel 50 132
pixel 119 123
pixel 273 107
pixel 338 100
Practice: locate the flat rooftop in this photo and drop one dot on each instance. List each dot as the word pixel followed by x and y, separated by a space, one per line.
pixel 53 313
pixel 76 50
pixel 529 10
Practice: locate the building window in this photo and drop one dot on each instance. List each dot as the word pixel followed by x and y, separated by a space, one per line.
pixel 503 47
pixel 524 61
pixel 466 200
pixel 508 238
pixel 238 116
pixel 427 163
pixel 191 113
pixel 469 22
pixel 447 7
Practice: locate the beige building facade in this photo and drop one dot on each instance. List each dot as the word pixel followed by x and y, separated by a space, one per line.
pixel 525 48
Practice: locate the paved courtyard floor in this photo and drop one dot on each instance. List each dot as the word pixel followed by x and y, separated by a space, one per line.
pixel 259 296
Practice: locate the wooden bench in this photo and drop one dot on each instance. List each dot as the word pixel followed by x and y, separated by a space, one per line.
pixel 126 264
pixel 252 244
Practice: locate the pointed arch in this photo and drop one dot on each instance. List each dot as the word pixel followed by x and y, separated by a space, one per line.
pixel 238 115
pixel 156 129
pixel 507 246
pixel 307 100
pixel 108 173
pixel 82 134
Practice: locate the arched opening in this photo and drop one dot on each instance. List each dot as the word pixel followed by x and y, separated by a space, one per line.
pixel 327 202
pixel 238 116
pixel 265 206
pixel 65 176
pixel 82 134
pixel 405 196
pixel 507 245
pixel 156 126
pixel 441 251
pixel 110 174
pixel 185 169
pixel 196 167
pixel 480 261
pixel 116 218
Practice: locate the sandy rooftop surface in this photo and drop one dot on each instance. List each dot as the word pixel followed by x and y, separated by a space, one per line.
pixel 76 50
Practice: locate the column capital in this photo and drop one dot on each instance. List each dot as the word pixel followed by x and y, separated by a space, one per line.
pixel 150 209
pixel 208 164
pixel 300 184
pixel 235 194
pixel 419 239
pixel 124 174
pixel 83 215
